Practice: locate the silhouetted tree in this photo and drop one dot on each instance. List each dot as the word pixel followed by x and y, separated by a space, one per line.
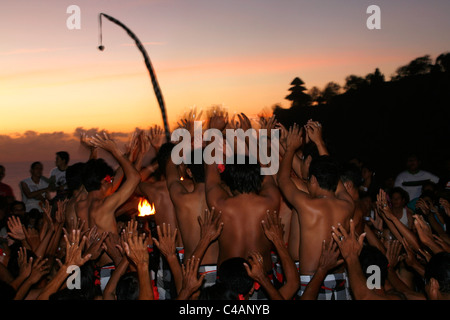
pixel 316 95
pixel 353 82
pixel 443 62
pixel 331 90
pixel 298 96
pixel 421 65
pixel 375 78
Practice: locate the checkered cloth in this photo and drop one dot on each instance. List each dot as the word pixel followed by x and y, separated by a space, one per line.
pixel 210 272
pixel 105 274
pixel 334 287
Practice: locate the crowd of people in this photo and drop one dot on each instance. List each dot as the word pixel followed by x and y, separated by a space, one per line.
pixel 318 229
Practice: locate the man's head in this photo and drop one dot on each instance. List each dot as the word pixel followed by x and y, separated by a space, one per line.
pixel 399 197
pixel 62 160
pixel 351 178
pixel 309 152
pixel 323 174
pixel 74 175
pixel 413 163
pixel 244 178
pixel 437 277
pixel 196 171
pixel 2 172
pixel 98 175
pixel 128 287
pixel 36 169
pixel 17 208
pixel 233 275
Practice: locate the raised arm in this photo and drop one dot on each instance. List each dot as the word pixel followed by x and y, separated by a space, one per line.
pixel 112 202
pixel 287 187
pixel 214 191
pixel 273 229
pixel 314 133
pixel 166 244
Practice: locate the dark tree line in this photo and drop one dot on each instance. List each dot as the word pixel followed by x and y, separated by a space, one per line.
pixel 382 121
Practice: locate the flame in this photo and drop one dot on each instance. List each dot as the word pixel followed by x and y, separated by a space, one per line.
pixel 145 209
pixel 181 179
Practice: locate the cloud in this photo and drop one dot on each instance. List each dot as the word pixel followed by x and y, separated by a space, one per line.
pixel 36 50
pixel 34 146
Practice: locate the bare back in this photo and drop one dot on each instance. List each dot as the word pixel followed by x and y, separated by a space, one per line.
pixel 316 218
pixel 158 194
pixel 188 207
pixel 242 232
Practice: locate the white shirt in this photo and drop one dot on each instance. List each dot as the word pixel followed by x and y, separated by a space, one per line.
pixel 412 183
pixel 32 186
pixel 60 177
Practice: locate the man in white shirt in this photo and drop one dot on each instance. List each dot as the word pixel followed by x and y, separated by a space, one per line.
pixel 58 174
pixel 412 179
pixel 34 189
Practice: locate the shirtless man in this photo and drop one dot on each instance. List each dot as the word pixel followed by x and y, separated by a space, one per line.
pixel 156 191
pixel 252 195
pixel 77 193
pixel 351 178
pixel 189 206
pixel 326 204
pixel 102 200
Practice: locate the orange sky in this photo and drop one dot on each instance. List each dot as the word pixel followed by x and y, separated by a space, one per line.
pixel 242 54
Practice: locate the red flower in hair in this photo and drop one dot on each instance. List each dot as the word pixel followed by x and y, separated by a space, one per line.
pixel 108 178
pixel 221 167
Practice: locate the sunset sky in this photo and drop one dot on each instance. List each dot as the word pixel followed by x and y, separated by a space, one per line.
pixel 239 53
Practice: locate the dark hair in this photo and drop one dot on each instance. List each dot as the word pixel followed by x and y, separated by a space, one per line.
pixel 233 276
pixel 350 172
pixel 326 172
pixel 218 291
pixel 197 170
pixel 245 178
pixel 74 174
pixel 163 155
pixel 94 172
pixel 400 191
pixel 15 203
pixel 372 256
pixel 64 155
pixel 34 164
pixel 128 287
pixel 439 268
pixel 310 149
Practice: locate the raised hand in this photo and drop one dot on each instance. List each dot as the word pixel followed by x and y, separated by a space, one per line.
pixel 156 137
pixel 84 141
pixel 383 205
pixel 25 265
pixel 189 120
pixel 94 243
pixel 191 282
pixel 377 223
pixel 329 257
pixel 446 205
pixel 73 225
pixel 219 120
pixel 104 142
pixel 39 269
pixel 256 268
pixel 314 131
pixel 393 248
pixel 166 240
pixel 349 244
pixel 210 225
pixel 32 238
pixel 136 249
pixel 74 249
pixel 16 228
pixel 273 229
pixel 294 138
pixel 60 215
